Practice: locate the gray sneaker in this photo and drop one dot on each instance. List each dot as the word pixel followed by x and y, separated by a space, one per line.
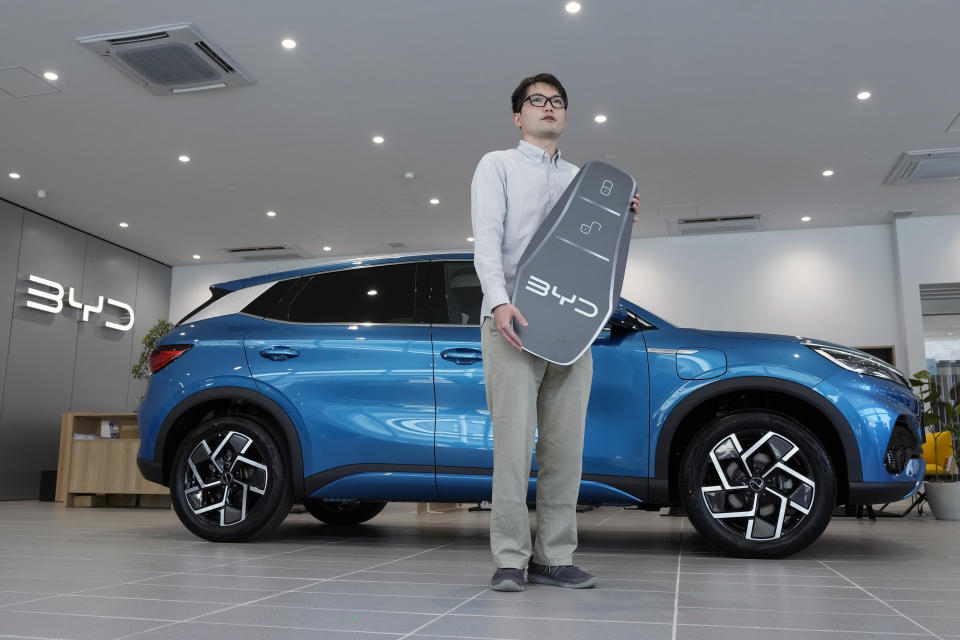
pixel 507 580
pixel 566 575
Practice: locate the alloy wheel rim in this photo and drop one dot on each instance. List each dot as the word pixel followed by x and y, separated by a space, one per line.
pixel 757 484
pixel 225 478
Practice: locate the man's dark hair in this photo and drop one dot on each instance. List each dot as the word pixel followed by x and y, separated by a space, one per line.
pixel 521 91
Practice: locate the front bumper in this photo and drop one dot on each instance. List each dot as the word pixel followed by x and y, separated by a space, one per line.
pixel 152 471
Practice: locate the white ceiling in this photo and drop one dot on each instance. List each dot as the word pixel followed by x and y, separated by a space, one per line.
pixel 735 106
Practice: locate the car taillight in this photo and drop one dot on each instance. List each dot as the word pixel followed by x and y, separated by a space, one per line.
pixel 162 356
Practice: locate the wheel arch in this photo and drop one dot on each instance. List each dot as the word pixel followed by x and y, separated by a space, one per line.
pixel 225 401
pixel 737 394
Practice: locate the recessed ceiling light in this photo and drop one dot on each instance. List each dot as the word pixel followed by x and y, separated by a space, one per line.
pixel 573 7
pixel 271 214
pixel 377 139
pixel 14 175
pixel 289 43
pixel 372 292
pixel 470 239
pixel 827 173
pixel 599 118
pixel 805 219
pixel 124 225
pixel 50 75
pixel 196 257
pixel 184 158
pixel 864 95
pixel 328 248
pixel 434 201
pixel 409 175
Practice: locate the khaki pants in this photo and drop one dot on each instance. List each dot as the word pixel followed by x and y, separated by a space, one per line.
pixel 524 391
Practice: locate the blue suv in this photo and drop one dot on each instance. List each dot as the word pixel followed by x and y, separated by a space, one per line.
pixel 348 385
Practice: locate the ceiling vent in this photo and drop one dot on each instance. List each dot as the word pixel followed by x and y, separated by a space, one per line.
pixel 722 224
pixel 274 252
pixel 397 245
pixel 933 165
pixel 168 59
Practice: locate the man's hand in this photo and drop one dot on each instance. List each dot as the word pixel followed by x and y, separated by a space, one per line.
pixel 635 206
pixel 503 316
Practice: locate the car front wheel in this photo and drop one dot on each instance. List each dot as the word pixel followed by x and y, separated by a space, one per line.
pixel 757 484
pixel 230 480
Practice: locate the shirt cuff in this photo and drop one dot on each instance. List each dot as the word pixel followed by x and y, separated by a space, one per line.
pixel 498 297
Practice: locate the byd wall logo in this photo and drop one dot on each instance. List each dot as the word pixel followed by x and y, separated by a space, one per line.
pixel 53 303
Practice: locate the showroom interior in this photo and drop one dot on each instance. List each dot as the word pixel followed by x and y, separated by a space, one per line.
pixel 797 165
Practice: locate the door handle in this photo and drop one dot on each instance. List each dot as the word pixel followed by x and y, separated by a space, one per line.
pixel 462 356
pixel 279 353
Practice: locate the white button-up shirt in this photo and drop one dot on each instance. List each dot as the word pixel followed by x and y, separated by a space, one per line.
pixel 512 192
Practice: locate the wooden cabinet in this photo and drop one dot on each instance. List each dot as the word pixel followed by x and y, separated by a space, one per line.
pixel 102 466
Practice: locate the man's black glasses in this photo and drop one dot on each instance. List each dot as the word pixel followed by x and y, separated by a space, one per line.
pixel 540 100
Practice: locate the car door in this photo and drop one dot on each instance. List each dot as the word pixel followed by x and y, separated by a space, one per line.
pixel 350 351
pixel 616 440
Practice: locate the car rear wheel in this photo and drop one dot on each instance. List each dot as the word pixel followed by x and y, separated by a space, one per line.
pixel 758 484
pixel 230 480
pixel 342 512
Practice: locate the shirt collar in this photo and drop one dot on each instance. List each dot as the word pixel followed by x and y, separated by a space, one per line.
pixel 537 154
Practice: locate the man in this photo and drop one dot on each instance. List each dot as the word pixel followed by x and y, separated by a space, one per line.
pixel 511 194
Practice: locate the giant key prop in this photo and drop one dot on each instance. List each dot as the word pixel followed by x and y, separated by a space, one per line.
pixel 570 275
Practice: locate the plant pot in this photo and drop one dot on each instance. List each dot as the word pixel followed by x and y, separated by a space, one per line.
pixel 944 499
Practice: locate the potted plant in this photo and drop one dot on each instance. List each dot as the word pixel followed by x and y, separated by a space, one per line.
pixel 161 328
pixel 941 421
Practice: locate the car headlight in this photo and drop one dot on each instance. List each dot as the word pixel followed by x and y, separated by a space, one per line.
pixel 860 362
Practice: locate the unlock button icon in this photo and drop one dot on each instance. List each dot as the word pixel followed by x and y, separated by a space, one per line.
pixel 586 229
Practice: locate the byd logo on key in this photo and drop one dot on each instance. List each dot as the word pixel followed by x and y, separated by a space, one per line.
pixel 54 303
pixel 542 288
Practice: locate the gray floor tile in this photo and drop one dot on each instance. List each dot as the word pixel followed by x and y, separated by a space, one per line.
pixel 320 619
pixel 8 598
pixel 118 607
pixel 394 589
pixel 785 603
pixel 654 610
pixel 181 593
pixel 798 620
pixel 199 631
pixel 539 629
pixel 68 626
pixel 408 602
pixel 229 581
pixel 727 633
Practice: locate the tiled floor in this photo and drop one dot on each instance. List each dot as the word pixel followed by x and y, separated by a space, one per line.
pixel 127 573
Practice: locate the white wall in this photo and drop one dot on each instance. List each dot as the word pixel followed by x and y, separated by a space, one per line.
pixel 928 250
pixel 842 284
pixel 834 284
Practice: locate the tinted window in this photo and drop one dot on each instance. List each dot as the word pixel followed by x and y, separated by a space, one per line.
pixel 463 293
pixel 366 294
pixel 273 298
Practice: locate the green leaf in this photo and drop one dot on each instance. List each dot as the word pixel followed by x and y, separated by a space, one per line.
pixel 923 374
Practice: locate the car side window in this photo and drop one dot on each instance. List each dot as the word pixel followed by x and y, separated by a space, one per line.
pixel 463 293
pixel 383 295
pixel 270 303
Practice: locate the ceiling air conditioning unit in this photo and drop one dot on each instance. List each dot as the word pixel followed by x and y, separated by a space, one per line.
pixel 174 58
pixel 722 224
pixel 932 165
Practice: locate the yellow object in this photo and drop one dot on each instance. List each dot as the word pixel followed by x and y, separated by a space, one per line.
pixel 937 450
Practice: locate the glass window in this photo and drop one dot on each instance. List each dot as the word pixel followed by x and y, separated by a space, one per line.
pixel 463 293
pixel 383 294
pixel 266 305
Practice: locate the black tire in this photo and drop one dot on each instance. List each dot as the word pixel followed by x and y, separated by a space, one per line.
pixel 342 512
pixel 778 490
pixel 239 453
